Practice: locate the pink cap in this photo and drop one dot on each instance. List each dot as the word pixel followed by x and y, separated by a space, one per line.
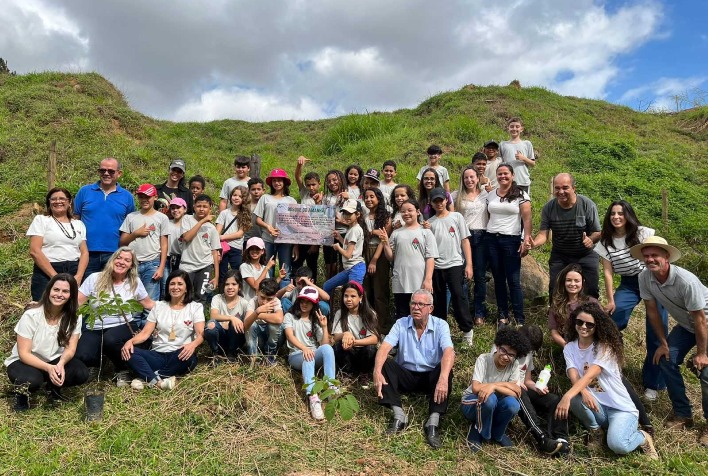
pixel 178 201
pixel 255 241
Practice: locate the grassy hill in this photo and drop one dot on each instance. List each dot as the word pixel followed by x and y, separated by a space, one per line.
pixel 248 421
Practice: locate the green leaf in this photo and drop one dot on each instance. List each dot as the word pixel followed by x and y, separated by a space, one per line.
pixel 351 401
pixel 330 410
pixel 345 411
pixel 327 395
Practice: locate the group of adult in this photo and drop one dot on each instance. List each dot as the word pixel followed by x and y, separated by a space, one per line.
pixel 76 255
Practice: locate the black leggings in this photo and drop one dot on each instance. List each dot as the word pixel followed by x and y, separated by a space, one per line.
pixel 21 374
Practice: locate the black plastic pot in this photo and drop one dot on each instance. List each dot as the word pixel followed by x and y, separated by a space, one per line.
pixel 94 400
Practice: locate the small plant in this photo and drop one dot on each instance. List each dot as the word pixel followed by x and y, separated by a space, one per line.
pixel 337 402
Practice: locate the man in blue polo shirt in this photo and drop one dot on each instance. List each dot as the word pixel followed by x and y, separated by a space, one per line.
pixel 422 364
pixel 102 207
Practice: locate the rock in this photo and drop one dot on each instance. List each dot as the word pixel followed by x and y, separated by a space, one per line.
pixel 534 282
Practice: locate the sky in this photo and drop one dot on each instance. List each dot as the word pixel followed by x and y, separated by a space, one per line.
pixel 191 60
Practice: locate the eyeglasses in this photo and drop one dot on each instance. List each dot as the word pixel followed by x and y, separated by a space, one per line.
pixel 58 200
pixel 506 353
pixel 110 172
pixel 588 325
pixel 419 304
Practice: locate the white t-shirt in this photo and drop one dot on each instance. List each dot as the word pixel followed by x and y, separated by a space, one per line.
pixel 239 309
pixel 225 219
pixel 56 246
pixel 266 210
pixel 411 247
pixel 491 171
pixel 88 288
pixel 608 388
pixel 354 235
pixel 474 211
pixel 355 325
pixel 196 254
pixel 229 185
pixel 442 172
pixel 146 248
pixel 182 321
pixel 33 325
pixel 249 271
pixel 505 217
pixel 302 329
pixel 622 262
pixel 449 233
pixel 174 231
pixel 386 191
pixel 486 371
pixel 525 364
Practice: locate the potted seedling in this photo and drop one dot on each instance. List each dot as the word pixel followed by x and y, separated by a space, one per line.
pixel 95 308
pixel 337 402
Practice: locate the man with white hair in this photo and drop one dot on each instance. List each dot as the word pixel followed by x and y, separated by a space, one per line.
pixel 684 296
pixel 423 364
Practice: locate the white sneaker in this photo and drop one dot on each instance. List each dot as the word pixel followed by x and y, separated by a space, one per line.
pixel 651 395
pixel 468 337
pixel 167 383
pixel 137 384
pixel 316 408
pixel 123 378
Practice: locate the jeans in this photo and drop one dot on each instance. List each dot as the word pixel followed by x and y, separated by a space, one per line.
pixel 622 433
pixel 284 252
pixel 263 336
pixel 589 264
pixel 287 304
pixel 97 261
pixel 451 279
pixel 21 374
pixel 681 341
pixel 355 273
pixel 626 298
pixel 146 270
pixel 40 279
pixel 171 264
pixel 231 259
pixel 324 357
pixel 479 269
pixel 491 417
pixel 151 365
pixel 505 261
pixel 223 340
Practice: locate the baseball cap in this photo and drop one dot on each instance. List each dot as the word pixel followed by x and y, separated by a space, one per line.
pixel 491 143
pixel 350 205
pixel 179 164
pixel 310 293
pixel 437 194
pixel 179 202
pixel 147 189
pixel 372 174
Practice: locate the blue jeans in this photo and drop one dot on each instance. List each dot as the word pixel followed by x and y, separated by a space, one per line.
pixel 263 336
pixel 287 304
pixel 622 433
pixel 284 252
pixel 626 298
pixel 151 365
pixel 505 261
pixel 681 342
pixel 146 270
pixel 40 279
pixel 479 271
pixel 97 260
pixel 231 259
pixel 496 413
pixel 223 340
pixel 324 357
pixel 355 273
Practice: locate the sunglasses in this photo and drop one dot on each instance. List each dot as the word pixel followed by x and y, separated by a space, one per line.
pixel 581 323
pixel 110 172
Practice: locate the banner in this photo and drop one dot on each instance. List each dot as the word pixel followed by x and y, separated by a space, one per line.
pixel 305 224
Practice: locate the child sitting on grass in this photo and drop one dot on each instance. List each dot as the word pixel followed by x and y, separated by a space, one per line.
pixel 263 323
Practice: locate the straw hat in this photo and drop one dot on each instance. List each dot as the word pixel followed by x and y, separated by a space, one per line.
pixel 659 242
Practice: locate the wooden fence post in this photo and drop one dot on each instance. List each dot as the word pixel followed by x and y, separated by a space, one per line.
pixel 665 210
pixel 255 166
pixel 52 169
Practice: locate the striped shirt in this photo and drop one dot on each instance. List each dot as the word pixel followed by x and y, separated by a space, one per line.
pixel 618 254
pixel 568 225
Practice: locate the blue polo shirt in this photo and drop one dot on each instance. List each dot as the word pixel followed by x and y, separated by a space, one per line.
pixel 419 355
pixel 103 215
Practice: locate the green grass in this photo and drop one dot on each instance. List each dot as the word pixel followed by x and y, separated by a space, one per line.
pixel 243 420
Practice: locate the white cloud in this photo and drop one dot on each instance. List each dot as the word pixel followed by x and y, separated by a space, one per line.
pixel 285 60
pixel 663 94
pixel 248 105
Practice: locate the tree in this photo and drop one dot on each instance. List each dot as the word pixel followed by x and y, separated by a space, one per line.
pixel 4 69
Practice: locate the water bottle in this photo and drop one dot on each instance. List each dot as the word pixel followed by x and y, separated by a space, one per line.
pixel 543 378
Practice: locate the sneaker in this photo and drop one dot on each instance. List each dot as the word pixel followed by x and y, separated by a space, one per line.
pixel 122 378
pixel 468 337
pixel 137 384
pixel 167 383
pixel 316 408
pixel 678 423
pixel 474 439
pixel 651 395
pixel 703 437
pixel 564 449
pixel 21 402
pixel 505 441
pixel 648 446
pixel 270 361
pixel 549 446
